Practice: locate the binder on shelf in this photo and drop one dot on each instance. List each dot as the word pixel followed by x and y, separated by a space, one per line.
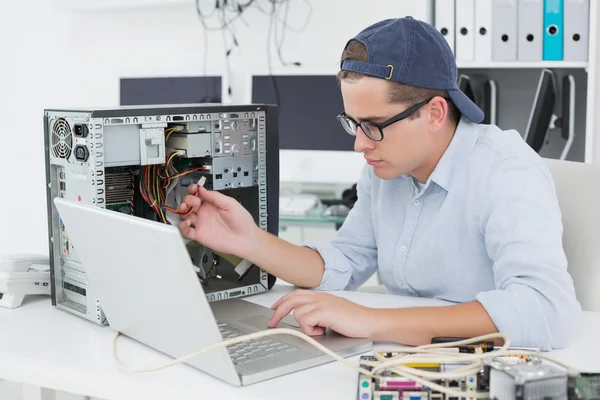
pixel 483 30
pixel 576 29
pixel 530 28
pixel 444 21
pixel 553 30
pixel 504 30
pixel 465 27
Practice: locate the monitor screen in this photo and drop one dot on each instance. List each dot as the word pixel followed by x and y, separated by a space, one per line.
pixel 541 113
pixel 170 90
pixel 464 84
pixel 308 109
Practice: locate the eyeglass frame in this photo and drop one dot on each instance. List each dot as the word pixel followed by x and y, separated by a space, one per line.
pixel 398 117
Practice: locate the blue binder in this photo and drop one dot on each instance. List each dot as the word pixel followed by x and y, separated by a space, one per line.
pixel 553 29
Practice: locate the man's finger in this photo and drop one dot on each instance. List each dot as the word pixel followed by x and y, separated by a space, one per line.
pixel 183 207
pixel 217 198
pixel 192 201
pixel 185 227
pixel 288 295
pixel 286 307
pixel 310 323
pixel 192 189
pixel 281 300
pixel 301 311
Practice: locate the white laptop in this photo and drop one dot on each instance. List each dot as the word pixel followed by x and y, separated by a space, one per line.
pixel 149 291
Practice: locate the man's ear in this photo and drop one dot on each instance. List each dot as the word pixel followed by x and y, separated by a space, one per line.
pixel 438 113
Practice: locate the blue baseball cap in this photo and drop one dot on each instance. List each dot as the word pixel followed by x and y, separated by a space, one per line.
pixel 414 53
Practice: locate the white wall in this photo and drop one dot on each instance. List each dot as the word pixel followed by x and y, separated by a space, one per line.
pixel 53 58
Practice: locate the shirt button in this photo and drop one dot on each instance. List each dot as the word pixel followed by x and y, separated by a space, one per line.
pixel 403 249
pixel 416 202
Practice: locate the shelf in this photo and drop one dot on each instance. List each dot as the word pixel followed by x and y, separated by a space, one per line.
pixel 520 64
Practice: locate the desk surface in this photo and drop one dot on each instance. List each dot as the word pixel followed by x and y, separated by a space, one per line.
pixel 48 347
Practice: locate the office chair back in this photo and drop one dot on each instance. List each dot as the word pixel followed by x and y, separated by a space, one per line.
pixel 578 190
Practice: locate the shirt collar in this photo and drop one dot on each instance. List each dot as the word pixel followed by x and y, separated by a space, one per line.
pixel 456 154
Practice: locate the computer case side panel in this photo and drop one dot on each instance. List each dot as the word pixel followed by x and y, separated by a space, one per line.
pixel 49 209
pixel 273 175
pixel 70 173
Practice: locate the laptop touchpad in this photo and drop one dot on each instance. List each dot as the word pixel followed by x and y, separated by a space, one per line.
pixel 261 322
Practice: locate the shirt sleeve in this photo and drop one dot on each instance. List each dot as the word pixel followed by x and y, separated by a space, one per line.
pixel 534 301
pixel 351 256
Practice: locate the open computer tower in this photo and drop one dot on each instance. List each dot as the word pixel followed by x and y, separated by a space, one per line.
pixel 140 161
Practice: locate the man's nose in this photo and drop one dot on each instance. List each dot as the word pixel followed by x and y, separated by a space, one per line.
pixel 362 142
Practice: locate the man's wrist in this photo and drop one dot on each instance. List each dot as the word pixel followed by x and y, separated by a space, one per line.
pixel 256 242
pixel 376 323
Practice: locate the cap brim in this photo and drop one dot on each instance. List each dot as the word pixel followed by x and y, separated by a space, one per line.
pixel 466 107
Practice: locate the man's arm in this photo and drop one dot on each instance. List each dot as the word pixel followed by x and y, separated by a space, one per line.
pixel 534 298
pixel 316 311
pixel 418 325
pixel 298 265
pixel 348 260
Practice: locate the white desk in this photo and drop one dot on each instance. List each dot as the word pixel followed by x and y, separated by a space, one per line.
pixel 47 347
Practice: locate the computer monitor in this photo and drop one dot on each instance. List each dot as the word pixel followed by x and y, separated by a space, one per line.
pixel 542 117
pixel 567 119
pixel 135 91
pixel 314 148
pixel 489 102
pixel 464 84
pixel 542 112
pixel 483 92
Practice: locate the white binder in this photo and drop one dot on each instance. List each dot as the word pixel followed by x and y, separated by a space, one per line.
pixel 576 29
pixel 483 30
pixel 444 21
pixel 530 30
pixel 465 28
pixel 504 30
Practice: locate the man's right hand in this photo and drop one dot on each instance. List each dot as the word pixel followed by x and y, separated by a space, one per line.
pixel 222 224
pixel 218 222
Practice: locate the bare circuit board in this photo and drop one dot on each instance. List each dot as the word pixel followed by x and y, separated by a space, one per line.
pixel 140 161
pixel 518 377
pixel 588 386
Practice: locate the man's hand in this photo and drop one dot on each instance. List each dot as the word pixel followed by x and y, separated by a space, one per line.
pixel 218 221
pixel 316 311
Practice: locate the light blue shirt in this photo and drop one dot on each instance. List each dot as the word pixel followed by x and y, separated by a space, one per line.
pixel 486 226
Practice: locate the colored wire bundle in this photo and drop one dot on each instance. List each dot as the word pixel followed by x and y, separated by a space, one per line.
pixel 157 180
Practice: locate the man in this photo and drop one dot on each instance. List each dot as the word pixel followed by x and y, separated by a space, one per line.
pixel 447 208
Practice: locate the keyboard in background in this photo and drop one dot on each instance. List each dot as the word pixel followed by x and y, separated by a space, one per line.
pixel 297 204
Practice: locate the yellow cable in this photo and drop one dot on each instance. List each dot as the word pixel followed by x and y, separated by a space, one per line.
pixel 169 132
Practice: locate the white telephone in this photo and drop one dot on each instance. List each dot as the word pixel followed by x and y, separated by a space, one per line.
pixel 21 275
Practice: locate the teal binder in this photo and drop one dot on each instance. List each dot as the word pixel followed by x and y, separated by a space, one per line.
pixel 553 30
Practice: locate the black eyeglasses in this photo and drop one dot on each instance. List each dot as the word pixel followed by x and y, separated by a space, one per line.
pixel 373 130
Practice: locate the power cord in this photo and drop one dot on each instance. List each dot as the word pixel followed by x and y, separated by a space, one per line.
pixel 438 353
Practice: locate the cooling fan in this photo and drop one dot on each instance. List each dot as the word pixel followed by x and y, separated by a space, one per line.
pixel 62 139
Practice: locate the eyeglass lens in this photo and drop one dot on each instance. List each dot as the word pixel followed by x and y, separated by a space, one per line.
pixel 369 130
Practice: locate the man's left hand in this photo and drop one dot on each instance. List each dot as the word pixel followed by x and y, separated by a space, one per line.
pixel 316 311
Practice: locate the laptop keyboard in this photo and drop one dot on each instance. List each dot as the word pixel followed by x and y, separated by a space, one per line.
pixel 254 349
